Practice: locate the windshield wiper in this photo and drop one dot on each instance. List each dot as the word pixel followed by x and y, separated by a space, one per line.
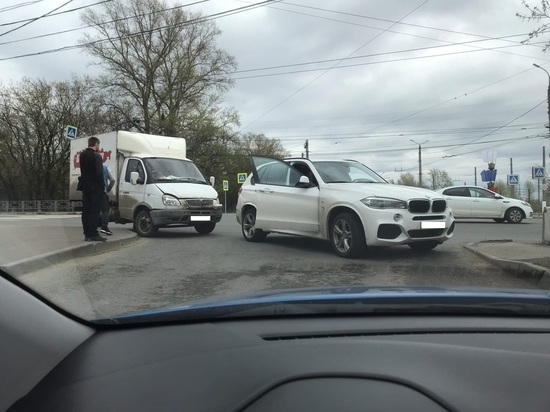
pixel 191 180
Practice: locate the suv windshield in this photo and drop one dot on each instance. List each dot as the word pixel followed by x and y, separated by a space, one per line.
pixel 346 172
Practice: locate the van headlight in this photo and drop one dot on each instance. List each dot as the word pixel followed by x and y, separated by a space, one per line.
pixel 168 200
pixel 384 203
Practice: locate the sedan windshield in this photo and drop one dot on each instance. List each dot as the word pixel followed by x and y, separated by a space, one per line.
pixel 161 170
pixel 347 172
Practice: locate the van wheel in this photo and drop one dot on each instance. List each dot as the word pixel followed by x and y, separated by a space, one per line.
pixel 205 228
pixel 347 236
pixel 248 227
pixel 143 224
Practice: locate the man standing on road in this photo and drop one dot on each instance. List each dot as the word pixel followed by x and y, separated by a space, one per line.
pixel 109 182
pixel 92 184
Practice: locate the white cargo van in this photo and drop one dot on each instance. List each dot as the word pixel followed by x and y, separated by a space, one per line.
pixel 157 186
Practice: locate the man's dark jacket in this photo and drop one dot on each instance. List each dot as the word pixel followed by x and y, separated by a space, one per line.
pixel 91 171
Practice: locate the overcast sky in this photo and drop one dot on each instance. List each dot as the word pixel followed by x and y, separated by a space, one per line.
pixel 357 79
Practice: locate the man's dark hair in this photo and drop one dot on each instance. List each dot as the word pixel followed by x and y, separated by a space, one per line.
pixel 92 141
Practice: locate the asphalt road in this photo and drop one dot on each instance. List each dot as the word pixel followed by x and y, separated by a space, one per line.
pixel 180 265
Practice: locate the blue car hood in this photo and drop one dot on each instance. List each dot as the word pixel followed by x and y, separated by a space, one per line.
pixel 343 300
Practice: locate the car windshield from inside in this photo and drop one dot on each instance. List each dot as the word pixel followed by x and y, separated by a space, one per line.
pixel 163 170
pixel 346 172
pixel 378 131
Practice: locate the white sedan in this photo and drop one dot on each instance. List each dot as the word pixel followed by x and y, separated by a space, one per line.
pixel 476 202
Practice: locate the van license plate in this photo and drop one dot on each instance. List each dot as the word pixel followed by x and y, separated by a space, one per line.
pixel 432 225
pixel 200 218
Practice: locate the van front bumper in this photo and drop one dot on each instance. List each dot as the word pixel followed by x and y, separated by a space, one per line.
pixel 162 218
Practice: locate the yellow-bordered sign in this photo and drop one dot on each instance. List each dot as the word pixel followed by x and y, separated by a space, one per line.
pixel 241 177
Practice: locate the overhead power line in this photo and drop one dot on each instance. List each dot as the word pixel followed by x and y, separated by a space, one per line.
pixel 442 146
pixel 188 22
pixel 330 68
pixel 51 14
pixel 20 5
pixel 88 26
pixel 382 61
pixel 35 19
pixel 401 23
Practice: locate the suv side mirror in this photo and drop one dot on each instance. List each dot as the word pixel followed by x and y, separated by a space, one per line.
pixel 303 182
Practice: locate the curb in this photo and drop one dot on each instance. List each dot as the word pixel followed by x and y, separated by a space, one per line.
pixel 539 275
pixel 24 266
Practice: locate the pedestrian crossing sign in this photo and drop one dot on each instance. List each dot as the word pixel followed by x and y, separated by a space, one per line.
pixel 513 180
pixel 241 177
pixel 538 172
pixel 70 132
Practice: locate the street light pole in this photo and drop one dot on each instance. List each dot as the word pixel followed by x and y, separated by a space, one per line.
pixel 543 148
pixel 419 160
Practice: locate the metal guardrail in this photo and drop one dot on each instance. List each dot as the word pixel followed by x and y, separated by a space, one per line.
pixel 39 206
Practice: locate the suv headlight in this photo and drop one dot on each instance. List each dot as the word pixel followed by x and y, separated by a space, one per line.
pixel 384 203
pixel 168 200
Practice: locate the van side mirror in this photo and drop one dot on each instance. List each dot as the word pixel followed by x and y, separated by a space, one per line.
pixel 134 178
pixel 212 180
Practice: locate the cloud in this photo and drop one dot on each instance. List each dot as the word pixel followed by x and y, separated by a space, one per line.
pixel 457 96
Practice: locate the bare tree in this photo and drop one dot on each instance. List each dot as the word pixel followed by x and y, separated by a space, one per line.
pixel 440 179
pixel 538 14
pixel 407 179
pixel 34 154
pixel 236 160
pixel 163 70
pixel 503 188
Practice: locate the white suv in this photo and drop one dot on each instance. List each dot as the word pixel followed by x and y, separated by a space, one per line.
pixel 342 201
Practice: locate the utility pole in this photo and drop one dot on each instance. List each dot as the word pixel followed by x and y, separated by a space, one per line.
pixel 306 146
pixel 544 154
pixel 512 172
pixel 544 147
pixel 475 176
pixel 419 160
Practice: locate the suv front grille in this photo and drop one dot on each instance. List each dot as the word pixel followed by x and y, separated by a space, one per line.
pixel 419 206
pixel 424 205
pixel 439 205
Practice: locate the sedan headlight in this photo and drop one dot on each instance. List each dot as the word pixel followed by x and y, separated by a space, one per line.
pixel 384 203
pixel 168 200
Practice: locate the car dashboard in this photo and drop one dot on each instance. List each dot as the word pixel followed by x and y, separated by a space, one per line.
pixel 413 363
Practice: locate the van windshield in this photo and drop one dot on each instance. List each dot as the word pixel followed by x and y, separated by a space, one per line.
pixel 162 170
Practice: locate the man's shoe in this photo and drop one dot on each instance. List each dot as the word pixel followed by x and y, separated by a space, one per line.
pixel 97 239
pixel 106 231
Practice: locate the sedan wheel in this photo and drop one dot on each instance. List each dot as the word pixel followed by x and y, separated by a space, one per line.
pixel 248 226
pixel 347 236
pixel 514 215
